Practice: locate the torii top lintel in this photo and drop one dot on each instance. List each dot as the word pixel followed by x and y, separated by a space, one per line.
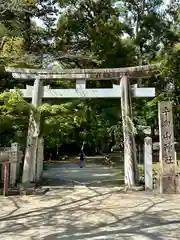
pixel 86 74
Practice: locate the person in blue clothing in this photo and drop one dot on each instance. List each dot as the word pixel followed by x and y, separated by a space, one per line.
pixel 81 156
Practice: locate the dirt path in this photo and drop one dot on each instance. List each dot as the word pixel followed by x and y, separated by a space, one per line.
pixel 90 214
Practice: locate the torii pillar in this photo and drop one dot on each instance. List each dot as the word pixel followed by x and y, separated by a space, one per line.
pixel 29 168
pixel 131 175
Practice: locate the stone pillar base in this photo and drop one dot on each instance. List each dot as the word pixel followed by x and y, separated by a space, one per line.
pixel 169 184
pixel 177 183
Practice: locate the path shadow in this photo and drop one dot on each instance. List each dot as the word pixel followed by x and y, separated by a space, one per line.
pixel 133 226
pixel 97 217
pixel 69 174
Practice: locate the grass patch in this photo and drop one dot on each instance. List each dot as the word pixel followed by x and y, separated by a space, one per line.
pixel 155 166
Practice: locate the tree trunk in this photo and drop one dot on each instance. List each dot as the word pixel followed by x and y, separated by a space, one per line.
pixel 27 29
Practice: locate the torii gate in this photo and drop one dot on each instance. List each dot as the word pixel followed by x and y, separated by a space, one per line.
pixel 33 162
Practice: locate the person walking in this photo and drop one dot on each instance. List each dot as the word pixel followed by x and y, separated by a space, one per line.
pixel 82 156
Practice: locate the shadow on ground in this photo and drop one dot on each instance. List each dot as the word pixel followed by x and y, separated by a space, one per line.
pixel 70 174
pixel 93 214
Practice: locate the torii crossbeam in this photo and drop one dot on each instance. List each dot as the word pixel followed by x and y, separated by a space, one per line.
pixel 82 92
pixel 87 74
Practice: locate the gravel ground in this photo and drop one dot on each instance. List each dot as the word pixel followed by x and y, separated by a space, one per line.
pixel 90 214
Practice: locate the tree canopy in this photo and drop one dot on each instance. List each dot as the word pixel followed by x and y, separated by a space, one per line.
pixel 88 34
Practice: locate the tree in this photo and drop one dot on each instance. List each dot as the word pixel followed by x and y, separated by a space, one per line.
pixel 14 114
pixel 21 36
pixel 92 28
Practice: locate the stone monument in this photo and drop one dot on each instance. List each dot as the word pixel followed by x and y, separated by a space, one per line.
pixel 168 163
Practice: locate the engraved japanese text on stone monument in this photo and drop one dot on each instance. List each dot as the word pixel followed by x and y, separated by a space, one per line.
pixel 166 133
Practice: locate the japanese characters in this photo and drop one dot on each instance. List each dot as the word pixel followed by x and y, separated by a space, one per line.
pixel 166 134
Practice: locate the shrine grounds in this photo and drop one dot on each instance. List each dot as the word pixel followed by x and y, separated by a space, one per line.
pixel 73 210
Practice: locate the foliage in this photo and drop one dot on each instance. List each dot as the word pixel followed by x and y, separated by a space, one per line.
pixel 93 27
pixel 89 34
pixel 78 121
pixel 14 112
